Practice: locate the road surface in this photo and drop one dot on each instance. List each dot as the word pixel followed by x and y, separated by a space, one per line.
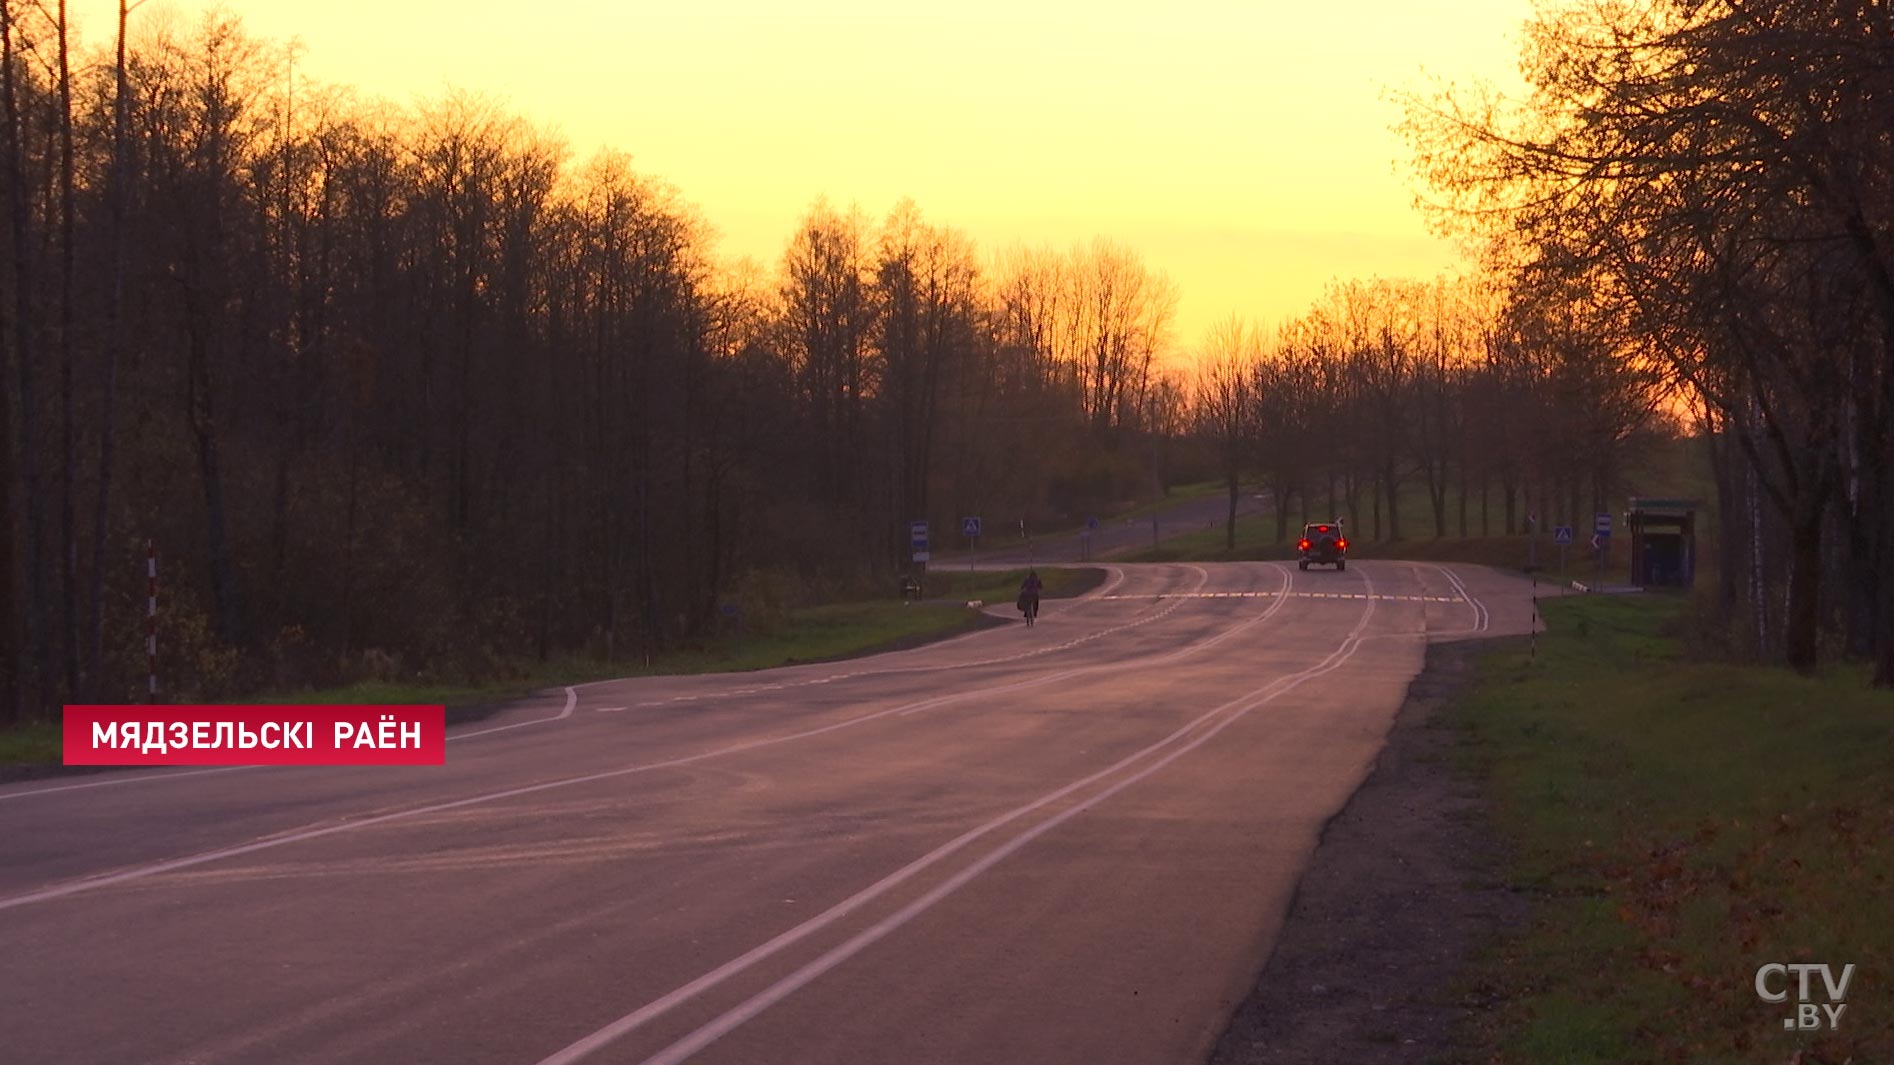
pixel 1066 844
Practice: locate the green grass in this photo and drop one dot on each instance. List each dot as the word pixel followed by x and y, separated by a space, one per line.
pixel 33 743
pixel 1001 586
pixel 1177 493
pixel 1678 824
pixel 811 634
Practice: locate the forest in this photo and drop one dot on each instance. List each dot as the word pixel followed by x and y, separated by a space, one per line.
pixel 385 383
pixel 1708 190
pixel 411 384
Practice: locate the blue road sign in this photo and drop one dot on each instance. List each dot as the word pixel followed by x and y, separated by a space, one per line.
pixel 917 535
pixel 1601 524
pixel 970 528
pixel 1091 524
pixel 1561 534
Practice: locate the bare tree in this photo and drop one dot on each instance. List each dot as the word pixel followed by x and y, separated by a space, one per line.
pixel 1225 406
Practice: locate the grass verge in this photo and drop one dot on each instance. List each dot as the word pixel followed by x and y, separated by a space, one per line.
pixel 810 634
pixel 32 743
pixel 1679 824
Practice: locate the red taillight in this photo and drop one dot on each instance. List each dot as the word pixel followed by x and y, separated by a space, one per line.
pixel 1321 528
pixel 1303 545
pixel 1341 545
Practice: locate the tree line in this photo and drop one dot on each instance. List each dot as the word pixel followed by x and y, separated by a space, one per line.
pixel 1494 406
pixel 409 388
pixel 1710 188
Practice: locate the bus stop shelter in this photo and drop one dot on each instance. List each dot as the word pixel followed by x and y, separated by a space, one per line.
pixel 1663 536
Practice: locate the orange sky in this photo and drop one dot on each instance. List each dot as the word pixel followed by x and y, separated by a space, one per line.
pixel 1241 147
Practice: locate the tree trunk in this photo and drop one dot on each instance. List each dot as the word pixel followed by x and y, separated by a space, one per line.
pixel 1394 504
pixel 10 655
pixel 226 596
pixel 115 343
pixel 1229 527
pixel 69 462
pixel 33 663
pixel 1803 624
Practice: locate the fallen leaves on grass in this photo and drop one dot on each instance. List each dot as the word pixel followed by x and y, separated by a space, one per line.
pixel 1771 890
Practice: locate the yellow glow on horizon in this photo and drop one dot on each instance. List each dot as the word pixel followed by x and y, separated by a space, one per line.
pixel 1243 148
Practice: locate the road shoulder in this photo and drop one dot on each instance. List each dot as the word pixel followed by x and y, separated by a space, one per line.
pixel 1405 885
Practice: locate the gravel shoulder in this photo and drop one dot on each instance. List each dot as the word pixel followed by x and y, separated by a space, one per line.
pixel 1404 887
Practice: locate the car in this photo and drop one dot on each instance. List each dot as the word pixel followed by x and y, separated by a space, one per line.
pixel 1323 543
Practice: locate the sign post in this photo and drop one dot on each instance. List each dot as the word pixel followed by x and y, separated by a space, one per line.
pixel 970 528
pixel 921 547
pixel 1601 539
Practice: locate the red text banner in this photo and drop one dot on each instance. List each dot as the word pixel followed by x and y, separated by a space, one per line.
pixel 255 735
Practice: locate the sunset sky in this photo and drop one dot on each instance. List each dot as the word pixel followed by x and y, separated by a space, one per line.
pixel 1243 148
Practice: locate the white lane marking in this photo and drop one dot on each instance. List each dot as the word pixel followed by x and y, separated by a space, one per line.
pixel 1116 577
pixel 571 701
pixel 1133 663
pixel 135 778
pixel 731 1019
pixel 1299 595
pixel 637 1018
pixel 1144 619
pixel 171 865
pixel 1482 617
pixel 1056 606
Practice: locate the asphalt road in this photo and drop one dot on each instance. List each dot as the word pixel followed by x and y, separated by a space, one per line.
pixel 1073 843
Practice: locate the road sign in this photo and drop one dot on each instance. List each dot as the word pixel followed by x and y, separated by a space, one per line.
pixel 1601 524
pixel 1561 534
pixel 917 535
pixel 970 528
pixel 1091 524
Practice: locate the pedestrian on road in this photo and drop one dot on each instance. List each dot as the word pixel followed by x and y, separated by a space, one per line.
pixel 1029 590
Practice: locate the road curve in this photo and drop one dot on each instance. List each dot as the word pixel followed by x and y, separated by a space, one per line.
pixel 1073 843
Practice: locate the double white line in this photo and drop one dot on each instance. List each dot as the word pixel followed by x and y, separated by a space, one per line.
pixel 1482 618
pixel 1122 774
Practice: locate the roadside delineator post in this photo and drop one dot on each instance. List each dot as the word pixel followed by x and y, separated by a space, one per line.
pixel 1533 639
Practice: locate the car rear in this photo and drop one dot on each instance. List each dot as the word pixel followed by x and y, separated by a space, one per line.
pixel 1322 544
